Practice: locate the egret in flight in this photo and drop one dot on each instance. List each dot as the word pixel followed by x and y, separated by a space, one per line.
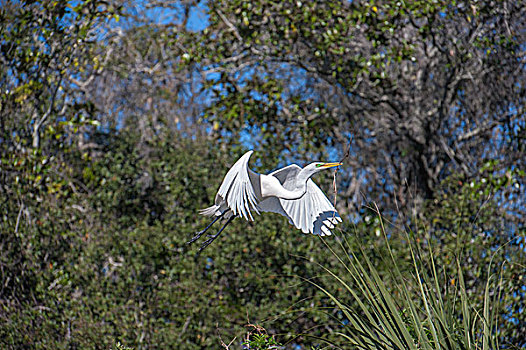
pixel 288 191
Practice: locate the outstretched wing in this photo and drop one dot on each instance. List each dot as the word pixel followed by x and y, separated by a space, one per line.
pixel 237 189
pixel 313 212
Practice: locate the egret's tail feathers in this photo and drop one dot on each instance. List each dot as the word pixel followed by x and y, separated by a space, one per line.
pixel 210 211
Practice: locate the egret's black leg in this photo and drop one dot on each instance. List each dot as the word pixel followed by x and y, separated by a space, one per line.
pixel 212 238
pixel 200 233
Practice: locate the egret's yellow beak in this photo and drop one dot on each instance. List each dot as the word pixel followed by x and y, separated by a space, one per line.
pixel 330 165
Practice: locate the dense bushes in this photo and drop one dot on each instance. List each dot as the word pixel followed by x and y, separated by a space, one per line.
pixel 109 261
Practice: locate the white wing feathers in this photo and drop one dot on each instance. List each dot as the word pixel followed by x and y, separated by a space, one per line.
pixel 237 189
pixel 313 212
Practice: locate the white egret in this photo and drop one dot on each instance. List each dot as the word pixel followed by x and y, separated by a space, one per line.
pixel 288 191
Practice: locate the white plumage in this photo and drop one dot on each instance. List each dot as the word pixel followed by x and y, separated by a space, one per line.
pixel 237 190
pixel 311 213
pixel 289 191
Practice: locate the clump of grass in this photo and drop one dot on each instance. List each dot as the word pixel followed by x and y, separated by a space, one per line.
pixel 257 338
pixel 421 309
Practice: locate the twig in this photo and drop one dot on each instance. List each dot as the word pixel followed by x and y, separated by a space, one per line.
pixel 345 156
pixel 185 326
pixel 36 129
pixel 223 344
pixel 18 216
pixel 348 151
pixel 230 25
pixel 335 189
pixel 257 328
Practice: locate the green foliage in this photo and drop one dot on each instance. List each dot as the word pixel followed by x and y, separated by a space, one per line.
pixel 258 339
pixel 114 256
pixel 421 307
pixel 466 223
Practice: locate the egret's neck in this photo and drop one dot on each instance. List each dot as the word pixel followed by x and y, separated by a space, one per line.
pixel 293 194
pixel 303 176
pixel 301 183
pixel 270 186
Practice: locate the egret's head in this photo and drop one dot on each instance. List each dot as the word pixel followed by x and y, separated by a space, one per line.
pixel 312 169
pixel 319 166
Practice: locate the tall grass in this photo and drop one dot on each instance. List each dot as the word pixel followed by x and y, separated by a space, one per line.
pixel 420 307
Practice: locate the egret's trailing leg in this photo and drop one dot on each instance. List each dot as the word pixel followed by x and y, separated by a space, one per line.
pixel 212 238
pixel 202 232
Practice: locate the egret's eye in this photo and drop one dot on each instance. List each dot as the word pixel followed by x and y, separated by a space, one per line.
pixel 319 165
